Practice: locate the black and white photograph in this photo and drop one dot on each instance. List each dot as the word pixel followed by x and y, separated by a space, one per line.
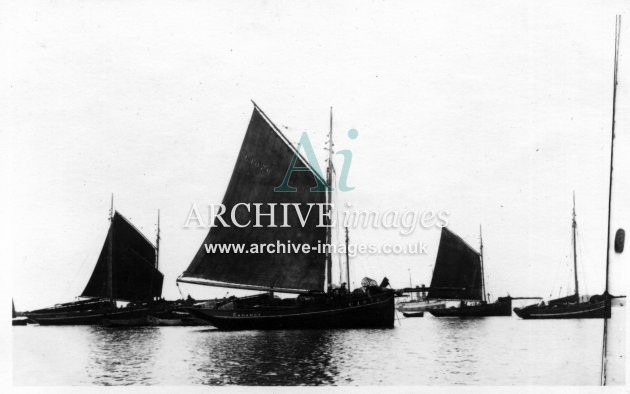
pixel 369 195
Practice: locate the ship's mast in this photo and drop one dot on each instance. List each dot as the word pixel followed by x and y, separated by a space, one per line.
pixel 110 253
pixel 329 176
pixel 612 140
pixel 347 260
pixel 157 243
pixel 417 295
pixel 575 273
pixel 157 250
pixel 483 281
pixel 610 180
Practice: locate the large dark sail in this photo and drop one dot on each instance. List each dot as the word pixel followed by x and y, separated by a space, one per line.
pixel 457 272
pixel 133 273
pixel 261 166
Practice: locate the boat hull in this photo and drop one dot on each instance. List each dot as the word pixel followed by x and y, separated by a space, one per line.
pixel 420 306
pixel 104 316
pixel 140 321
pixel 413 314
pixel 499 308
pixel 19 322
pixel 583 310
pixel 175 319
pixel 156 321
pixel 81 318
pixel 370 311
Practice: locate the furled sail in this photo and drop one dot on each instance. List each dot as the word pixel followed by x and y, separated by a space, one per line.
pixel 457 273
pixel 565 300
pixel 133 273
pixel 261 166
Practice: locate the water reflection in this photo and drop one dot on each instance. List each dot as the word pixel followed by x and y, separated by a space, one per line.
pixel 122 355
pixel 457 350
pixel 266 357
pixel 421 351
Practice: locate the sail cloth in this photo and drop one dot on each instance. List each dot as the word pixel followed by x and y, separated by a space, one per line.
pixel 457 272
pixel 134 276
pixel 564 300
pixel 261 166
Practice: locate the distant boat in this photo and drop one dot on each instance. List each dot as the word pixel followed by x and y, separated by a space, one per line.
pixel 162 321
pixel 175 318
pixel 262 163
pixel 597 306
pixel 126 270
pixel 413 314
pixel 418 301
pixel 421 304
pixel 569 307
pixel 460 267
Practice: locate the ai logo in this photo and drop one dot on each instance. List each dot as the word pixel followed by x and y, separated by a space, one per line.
pixel 305 143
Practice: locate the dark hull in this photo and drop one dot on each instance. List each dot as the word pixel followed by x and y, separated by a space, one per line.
pixel 369 311
pixel 175 318
pixel 109 315
pixel 72 313
pixel 156 321
pixel 413 314
pixel 19 322
pixel 583 310
pixel 75 306
pixel 140 321
pixel 71 318
pixel 501 308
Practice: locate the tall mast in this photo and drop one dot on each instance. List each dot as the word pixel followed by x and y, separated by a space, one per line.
pixel 610 180
pixel 575 273
pixel 411 296
pixel 483 281
pixel 157 243
pixel 329 176
pixel 110 253
pixel 347 259
pixel 612 140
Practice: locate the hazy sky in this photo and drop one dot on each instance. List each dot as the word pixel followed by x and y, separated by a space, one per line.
pixel 494 111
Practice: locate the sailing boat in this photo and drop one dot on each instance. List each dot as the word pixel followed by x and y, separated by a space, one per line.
pixel 421 303
pixel 570 307
pixel 17 320
pixel 125 271
pixel 261 166
pixel 598 306
pixel 459 266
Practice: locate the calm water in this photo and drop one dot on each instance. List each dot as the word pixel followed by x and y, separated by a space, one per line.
pixel 419 351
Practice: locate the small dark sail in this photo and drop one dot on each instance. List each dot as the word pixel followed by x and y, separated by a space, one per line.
pixel 13 310
pixel 134 276
pixel 457 266
pixel 261 166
